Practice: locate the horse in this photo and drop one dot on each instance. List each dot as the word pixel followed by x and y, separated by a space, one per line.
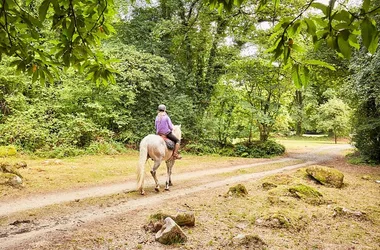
pixel 154 147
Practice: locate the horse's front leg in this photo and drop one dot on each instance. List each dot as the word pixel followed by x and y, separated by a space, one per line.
pixel 169 166
pixel 153 172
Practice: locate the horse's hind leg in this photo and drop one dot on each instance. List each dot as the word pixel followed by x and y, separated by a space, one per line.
pixel 169 166
pixel 153 172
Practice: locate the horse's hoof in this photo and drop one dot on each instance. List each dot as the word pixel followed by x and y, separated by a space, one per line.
pixel 157 189
pixel 142 193
pixel 167 189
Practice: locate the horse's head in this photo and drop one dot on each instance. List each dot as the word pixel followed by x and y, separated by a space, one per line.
pixel 177 131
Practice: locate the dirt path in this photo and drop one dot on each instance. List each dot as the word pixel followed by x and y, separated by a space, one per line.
pixel 13 236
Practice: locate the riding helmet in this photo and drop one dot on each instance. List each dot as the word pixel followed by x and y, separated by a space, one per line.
pixel 161 107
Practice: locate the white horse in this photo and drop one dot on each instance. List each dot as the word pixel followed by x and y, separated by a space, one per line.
pixel 154 147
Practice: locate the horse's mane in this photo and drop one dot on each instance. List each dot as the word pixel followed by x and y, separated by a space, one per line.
pixel 177 131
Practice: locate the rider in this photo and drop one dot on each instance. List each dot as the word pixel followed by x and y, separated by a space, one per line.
pixel 164 126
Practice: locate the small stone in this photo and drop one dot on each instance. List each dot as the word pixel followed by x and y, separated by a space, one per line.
pixel 16 181
pixel 170 233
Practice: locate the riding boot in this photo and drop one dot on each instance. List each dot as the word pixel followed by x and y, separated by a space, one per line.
pixel 175 152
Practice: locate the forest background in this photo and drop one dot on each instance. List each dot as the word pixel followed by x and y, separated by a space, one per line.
pixel 86 77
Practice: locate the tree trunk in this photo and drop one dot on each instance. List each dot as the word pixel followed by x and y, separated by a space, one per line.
pixel 299 105
pixel 264 132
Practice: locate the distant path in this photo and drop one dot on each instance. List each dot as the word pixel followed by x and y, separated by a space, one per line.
pixel 14 240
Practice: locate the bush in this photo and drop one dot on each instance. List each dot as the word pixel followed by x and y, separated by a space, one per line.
pixel 7 151
pixel 251 150
pixel 105 148
pixel 259 149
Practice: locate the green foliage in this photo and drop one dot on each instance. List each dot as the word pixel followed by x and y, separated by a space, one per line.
pixel 6 151
pixel 43 35
pixel 365 95
pixel 259 149
pixel 334 116
pixel 250 149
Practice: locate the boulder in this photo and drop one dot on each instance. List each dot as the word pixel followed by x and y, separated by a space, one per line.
pixel 239 190
pixel 249 241
pixel 268 185
pixel 344 212
pixel 326 176
pixel 7 168
pixel 185 219
pixel 10 179
pixel 307 194
pixel 170 233
pixel 21 164
pixel 182 218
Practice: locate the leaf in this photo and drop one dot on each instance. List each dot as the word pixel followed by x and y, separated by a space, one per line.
pixel 320 6
pixel 311 28
pixel 42 76
pixel 298 48
pixel 303 73
pixel 295 75
pixel 368 33
pixel 342 15
pixel 70 30
pixel 35 76
pixel 344 47
pixel 43 10
pixel 375 42
pixel 320 63
pixel 366 4
pixel 352 40
pixel 286 54
pixel 331 42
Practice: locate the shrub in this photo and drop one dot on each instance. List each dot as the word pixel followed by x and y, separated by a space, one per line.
pixel 105 148
pixel 7 151
pixel 259 149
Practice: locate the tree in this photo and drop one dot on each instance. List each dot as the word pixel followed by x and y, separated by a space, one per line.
pixel 364 93
pixel 339 26
pixel 76 28
pixel 334 116
pixel 263 87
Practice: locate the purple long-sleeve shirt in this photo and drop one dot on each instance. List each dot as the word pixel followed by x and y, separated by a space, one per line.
pixel 163 124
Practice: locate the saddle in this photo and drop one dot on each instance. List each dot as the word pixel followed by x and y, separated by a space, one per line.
pixel 169 143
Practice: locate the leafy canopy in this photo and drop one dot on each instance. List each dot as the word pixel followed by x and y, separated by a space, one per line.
pixel 46 35
pixel 337 25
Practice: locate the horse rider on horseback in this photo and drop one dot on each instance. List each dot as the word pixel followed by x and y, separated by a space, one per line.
pixel 164 127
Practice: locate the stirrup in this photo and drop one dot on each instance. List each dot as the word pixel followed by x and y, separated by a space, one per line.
pixel 176 157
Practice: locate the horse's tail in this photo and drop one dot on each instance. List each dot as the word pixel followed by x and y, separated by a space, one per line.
pixel 141 165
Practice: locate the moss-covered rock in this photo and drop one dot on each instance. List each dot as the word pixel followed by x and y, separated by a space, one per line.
pixel 248 242
pixel 10 179
pixel 307 194
pixel 181 218
pixel 268 185
pixel 239 190
pixel 8 168
pixel 326 176
pixel 275 220
pixel 344 212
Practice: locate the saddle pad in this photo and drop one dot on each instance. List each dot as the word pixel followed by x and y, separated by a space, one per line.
pixel 169 144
